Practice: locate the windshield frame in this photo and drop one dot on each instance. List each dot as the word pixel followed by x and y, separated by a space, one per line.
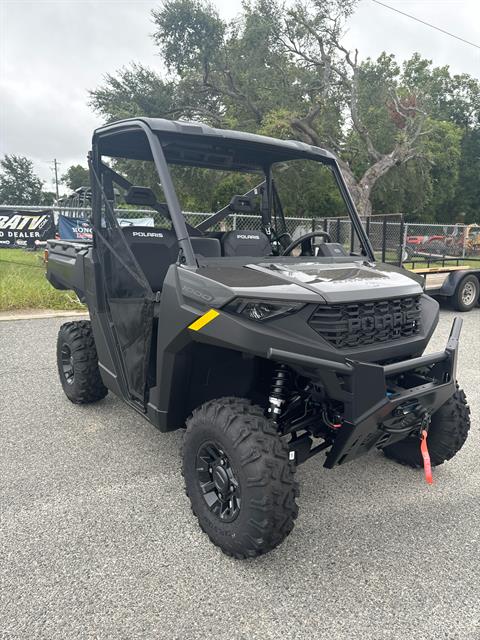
pixel 158 150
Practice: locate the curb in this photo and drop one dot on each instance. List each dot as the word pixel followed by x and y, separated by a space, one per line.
pixel 7 316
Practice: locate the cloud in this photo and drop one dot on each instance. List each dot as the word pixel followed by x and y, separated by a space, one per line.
pixel 53 52
pixel 373 29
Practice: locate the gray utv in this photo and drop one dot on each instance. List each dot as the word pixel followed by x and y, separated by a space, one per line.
pixel 268 349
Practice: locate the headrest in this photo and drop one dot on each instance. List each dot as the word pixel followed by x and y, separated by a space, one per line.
pixel 331 249
pixel 246 242
pixel 149 235
pixel 206 247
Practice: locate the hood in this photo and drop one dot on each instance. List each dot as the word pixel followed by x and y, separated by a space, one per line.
pixel 345 282
pixel 330 282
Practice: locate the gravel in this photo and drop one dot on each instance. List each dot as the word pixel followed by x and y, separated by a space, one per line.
pixel 98 541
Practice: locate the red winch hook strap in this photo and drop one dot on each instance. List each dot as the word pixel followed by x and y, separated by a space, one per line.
pixel 427 467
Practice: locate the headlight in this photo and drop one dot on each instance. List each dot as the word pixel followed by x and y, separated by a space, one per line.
pixel 260 310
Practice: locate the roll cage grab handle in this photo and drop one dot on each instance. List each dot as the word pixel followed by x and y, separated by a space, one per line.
pixel 178 220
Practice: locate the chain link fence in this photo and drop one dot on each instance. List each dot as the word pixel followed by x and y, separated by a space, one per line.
pixel 393 240
pixel 385 232
pixel 434 242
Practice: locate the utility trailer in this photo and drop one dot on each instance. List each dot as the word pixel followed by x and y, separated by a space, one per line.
pixel 456 283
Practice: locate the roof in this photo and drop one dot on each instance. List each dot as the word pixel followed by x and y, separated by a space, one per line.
pixel 197 144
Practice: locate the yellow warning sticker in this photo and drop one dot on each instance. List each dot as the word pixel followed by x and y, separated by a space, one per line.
pixel 203 320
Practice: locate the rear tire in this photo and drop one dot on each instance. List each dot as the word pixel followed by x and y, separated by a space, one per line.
pixel 466 294
pixel 446 436
pixel 254 510
pixel 77 363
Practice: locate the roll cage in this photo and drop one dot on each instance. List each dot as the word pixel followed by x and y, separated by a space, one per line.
pixel 190 144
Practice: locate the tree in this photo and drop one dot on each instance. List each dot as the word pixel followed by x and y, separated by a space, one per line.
pixel 301 44
pixel 283 70
pixel 440 184
pixel 467 198
pixel 75 177
pixel 48 198
pixel 133 91
pixel 18 182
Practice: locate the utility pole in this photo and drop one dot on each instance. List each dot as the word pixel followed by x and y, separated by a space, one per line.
pixel 55 167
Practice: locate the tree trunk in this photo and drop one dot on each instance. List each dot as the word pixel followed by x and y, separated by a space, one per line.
pixel 361 190
pixel 364 205
pixel 360 193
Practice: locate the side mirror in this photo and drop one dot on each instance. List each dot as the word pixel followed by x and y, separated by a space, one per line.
pixel 142 196
pixel 242 204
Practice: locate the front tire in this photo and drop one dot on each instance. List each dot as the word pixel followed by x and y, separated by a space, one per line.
pixel 77 363
pixel 238 477
pixel 446 436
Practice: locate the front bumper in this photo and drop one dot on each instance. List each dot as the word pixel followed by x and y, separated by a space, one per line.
pixel 383 404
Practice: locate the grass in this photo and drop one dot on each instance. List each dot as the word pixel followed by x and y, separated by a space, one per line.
pixel 23 284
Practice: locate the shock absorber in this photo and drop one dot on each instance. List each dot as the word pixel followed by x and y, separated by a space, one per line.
pixel 279 391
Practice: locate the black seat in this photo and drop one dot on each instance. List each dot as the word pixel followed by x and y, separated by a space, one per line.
pixel 206 247
pixel 331 250
pixel 154 249
pixel 215 234
pixel 247 242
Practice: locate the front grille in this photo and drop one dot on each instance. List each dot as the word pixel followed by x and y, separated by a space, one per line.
pixel 362 323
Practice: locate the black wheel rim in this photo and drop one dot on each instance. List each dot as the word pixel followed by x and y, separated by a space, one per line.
pixel 67 363
pixel 218 483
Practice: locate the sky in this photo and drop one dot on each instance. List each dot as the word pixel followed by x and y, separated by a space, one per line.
pixel 53 51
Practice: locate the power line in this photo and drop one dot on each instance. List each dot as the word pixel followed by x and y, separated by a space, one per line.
pixel 432 26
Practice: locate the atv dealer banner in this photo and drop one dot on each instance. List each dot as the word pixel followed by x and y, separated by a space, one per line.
pixel 25 227
pixel 80 229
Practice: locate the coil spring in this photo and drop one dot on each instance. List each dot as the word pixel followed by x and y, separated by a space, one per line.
pixel 279 390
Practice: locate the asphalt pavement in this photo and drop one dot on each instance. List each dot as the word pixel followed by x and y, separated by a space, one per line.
pixel 98 540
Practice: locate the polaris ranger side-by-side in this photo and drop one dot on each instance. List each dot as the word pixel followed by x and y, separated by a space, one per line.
pixel 269 350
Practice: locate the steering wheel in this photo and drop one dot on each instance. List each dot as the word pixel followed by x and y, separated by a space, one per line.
pixel 307 236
